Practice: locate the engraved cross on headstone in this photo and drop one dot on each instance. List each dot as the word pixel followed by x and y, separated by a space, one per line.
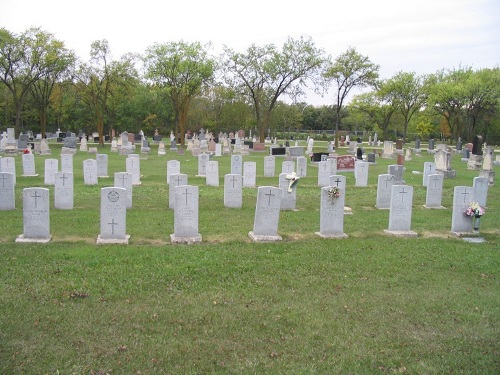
pixel 465 193
pixel 270 194
pixel 36 197
pixel 122 178
pixel 403 192
pixel 233 180
pixel 3 177
pixel 113 226
pixel 186 194
pixel 64 178
pixel 337 181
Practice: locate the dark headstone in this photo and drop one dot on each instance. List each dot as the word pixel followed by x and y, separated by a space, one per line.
pixel 477 145
pixel 359 140
pixel 417 143
pixel 317 156
pixel 359 153
pixel 459 145
pixel 157 138
pixel 399 144
pixel 431 144
pixel 371 158
pixel 278 151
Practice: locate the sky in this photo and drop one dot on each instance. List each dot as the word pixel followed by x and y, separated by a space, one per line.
pixel 399 35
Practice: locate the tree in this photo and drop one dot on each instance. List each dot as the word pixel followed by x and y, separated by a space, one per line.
pixel 349 70
pixel 408 95
pixel 264 74
pixel 182 69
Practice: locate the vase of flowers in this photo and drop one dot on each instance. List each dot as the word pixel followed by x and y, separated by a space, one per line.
pixel 333 193
pixel 475 211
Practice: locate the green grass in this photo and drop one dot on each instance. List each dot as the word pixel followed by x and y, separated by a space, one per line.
pixel 368 304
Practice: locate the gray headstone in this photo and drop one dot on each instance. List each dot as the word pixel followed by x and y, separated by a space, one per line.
pixel 249 174
pixel 337 180
pixel 36 216
pixel 397 171
pixel 8 164
pixel 324 173
pixel 63 191
pixel 269 166
pixel 480 188
pixel 236 164
pixel 302 166
pixel 67 163
pixel 212 173
pixel 267 214
pixel 429 168
pixel 384 191
pixel 202 164
pixel 361 173
pixel 287 166
pixel 133 166
pixel 463 196
pixel 186 215
pixel 90 172
pixel 218 149
pixel 233 195
pixel 173 167
pixel 51 167
pixel 7 196
pixel 288 196
pixel 434 191
pixel 113 216
pixel 400 211
pixel 124 180
pixel 331 223
pixel 102 165
pixel 176 179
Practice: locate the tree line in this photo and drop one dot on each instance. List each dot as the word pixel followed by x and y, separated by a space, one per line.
pixel 181 87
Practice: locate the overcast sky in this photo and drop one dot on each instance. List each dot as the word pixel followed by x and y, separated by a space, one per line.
pixel 422 36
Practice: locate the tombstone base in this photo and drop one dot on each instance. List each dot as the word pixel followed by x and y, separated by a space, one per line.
pixel 30 175
pixel 435 208
pixel 401 233
pixel 465 234
pixel 22 239
pixel 331 235
pixel 263 238
pixel 185 240
pixel 121 241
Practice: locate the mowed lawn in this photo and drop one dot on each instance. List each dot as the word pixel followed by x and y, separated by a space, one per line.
pixel 371 303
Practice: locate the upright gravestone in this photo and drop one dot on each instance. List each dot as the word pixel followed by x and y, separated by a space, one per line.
pixel 186 215
pixel 173 167
pixel 29 165
pixel 44 147
pixel 397 172
pixel 429 168
pixel 434 193
pixel 442 159
pixel 269 166
pixel 476 157
pixel 267 214
pixel 161 149
pixel 324 172
pixel 202 164
pixel 36 216
pixel 461 224
pixel 400 211
pixel 288 193
pixel 63 191
pixel 212 173
pixel 51 167
pixel 83 144
pixel 430 149
pixel 102 165
pixel 388 150
pixel 90 172
pixel 339 181
pixel 113 216
pixel 236 164
pixel 480 190
pixel 176 179
pixel 124 180
pixel 8 164
pixel 233 194
pixel 7 197
pixel 249 174
pixel 133 166
pixel 384 190
pixel 287 166
pixel 301 166
pixel 487 170
pixel 218 149
pixel 331 220
pixel 67 163
pixel 361 173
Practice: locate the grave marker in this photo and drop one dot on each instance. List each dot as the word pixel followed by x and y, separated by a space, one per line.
pixel 212 173
pixel 249 174
pixel 63 191
pixel 90 172
pixel 186 215
pixel 434 191
pixel 29 165
pixel 113 216
pixel 269 166
pixel 267 213
pixel 51 167
pixel 7 196
pixel 176 179
pixel 36 216
pixel 124 180
pixel 233 194
pixel 400 211
pixel 384 191
pixel 331 221
pixel 463 196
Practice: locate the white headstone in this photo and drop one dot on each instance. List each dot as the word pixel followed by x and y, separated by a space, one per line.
pixel 51 167
pixel 429 168
pixel 124 180
pixel 434 193
pixel 102 165
pixel 212 173
pixel 186 215
pixel 176 179
pixel 202 164
pixel 287 166
pixel 7 197
pixel 67 163
pixel 173 167
pixel 113 216
pixel 331 223
pixel 218 149
pixel 8 164
pixel 267 214
pixel 29 165
pixel 162 149
pixel 480 188
pixel 324 172
pixel 133 166
pixel 463 196
pixel 302 166
pixel 83 144
pixel 361 173
pixel 384 190
pixel 36 216
pixel 233 195
pixel 63 191
pixel 269 166
pixel 90 172
pixel 249 174
pixel 236 164
pixel 400 211
pixel 310 145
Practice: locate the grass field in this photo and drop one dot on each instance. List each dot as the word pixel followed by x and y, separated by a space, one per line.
pixel 371 303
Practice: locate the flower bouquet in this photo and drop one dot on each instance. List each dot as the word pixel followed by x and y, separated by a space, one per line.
pixel 333 193
pixel 474 210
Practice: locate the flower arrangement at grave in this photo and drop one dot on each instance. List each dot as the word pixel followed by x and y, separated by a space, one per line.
pixel 294 179
pixel 333 193
pixel 474 210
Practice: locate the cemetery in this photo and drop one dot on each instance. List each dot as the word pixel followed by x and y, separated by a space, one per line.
pixel 140 255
